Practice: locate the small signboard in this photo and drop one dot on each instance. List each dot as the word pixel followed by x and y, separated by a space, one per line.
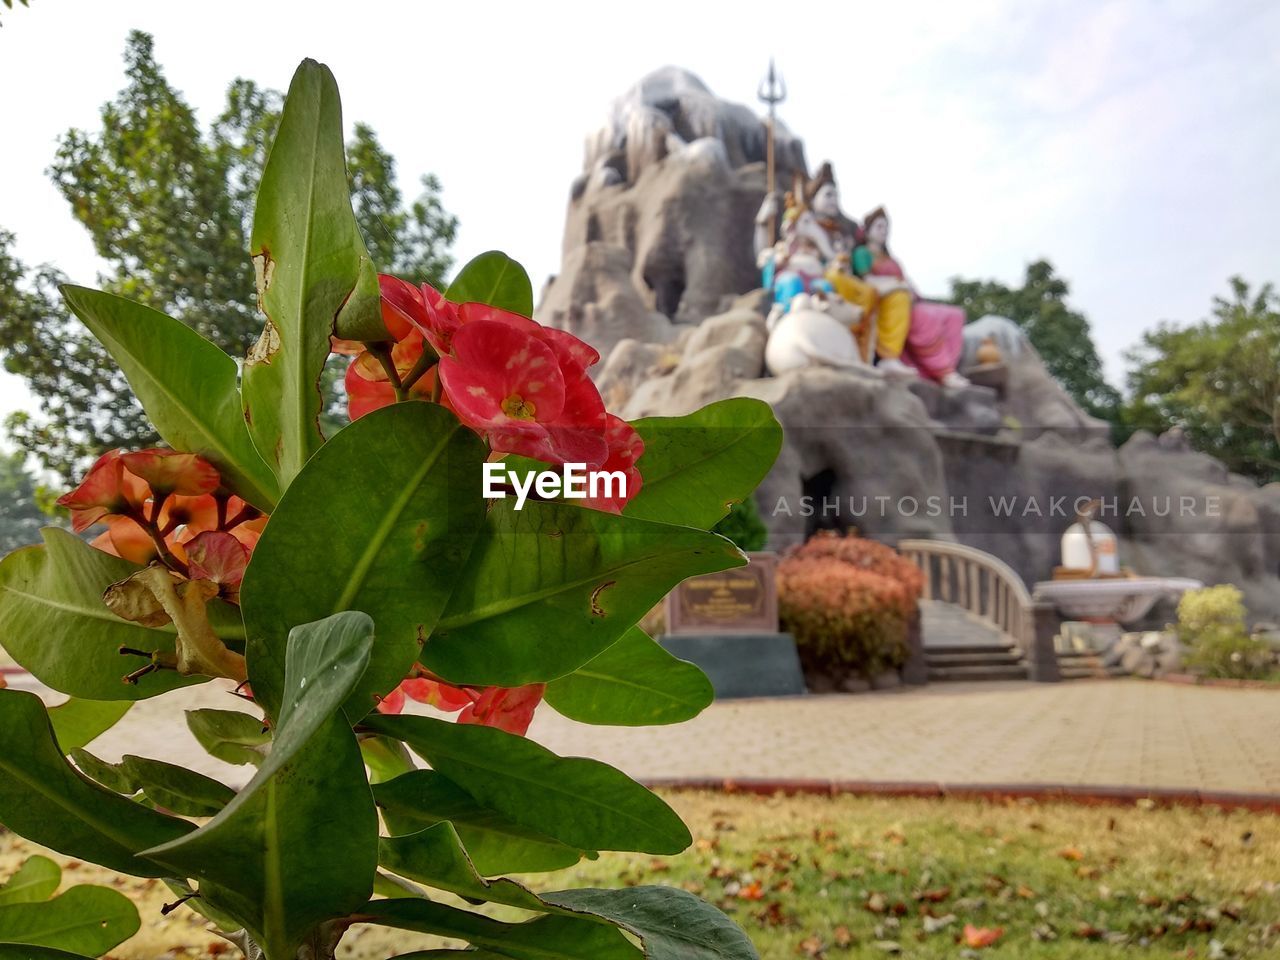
pixel 739 601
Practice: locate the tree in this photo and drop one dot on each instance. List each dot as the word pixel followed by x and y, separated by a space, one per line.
pixel 20 515
pixel 1218 380
pixel 168 207
pixel 1059 334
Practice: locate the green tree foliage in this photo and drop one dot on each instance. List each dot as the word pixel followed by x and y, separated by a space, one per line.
pixel 1218 380
pixel 743 526
pixel 1059 334
pixel 167 205
pixel 20 516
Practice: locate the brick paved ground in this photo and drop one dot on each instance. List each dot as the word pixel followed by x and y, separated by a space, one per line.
pixel 1098 733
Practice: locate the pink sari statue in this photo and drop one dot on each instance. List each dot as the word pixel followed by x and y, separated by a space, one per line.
pixel 935 338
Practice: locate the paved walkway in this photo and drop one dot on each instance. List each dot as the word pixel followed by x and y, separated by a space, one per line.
pixel 1123 733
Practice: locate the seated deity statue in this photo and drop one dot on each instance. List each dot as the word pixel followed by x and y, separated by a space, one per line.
pixel 814 236
pixel 914 337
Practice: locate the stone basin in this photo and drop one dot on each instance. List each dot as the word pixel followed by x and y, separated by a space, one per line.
pixel 1123 599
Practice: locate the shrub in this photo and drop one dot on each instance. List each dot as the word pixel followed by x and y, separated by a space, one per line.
pixel 849 603
pixel 331 579
pixel 1211 622
pixel 743 526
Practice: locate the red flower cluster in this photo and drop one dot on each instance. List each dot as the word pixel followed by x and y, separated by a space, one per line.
pixel 507 708
pixel 522 386
pixel 163 505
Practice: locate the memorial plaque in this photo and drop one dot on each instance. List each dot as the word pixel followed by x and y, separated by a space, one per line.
pixel 739 601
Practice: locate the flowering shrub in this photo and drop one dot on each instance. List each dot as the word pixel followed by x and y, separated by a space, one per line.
pixel 1211 622
pixel 849 603
pixel 329 583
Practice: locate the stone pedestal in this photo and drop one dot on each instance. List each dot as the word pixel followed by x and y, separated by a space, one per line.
pixel 743 665
pixel 727 624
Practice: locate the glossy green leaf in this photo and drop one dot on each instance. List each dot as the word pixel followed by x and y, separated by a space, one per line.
pixel 298 845
pixel 186 384
pixel 381 521
pixel 47 801
pixel 543 938
pixel 229 735
pixel 85 920
pixel 672 924
pixel 110 775
pixel 696 467
pixel 166 785
pixel 495 279
pixel 583 578
pixel 386 759
pixel 54 623
pixel 77 723
pixel 634 683
pixel 311 265
pixel 36 880
pixel 435 857
pixel 496 844
pixel 582 803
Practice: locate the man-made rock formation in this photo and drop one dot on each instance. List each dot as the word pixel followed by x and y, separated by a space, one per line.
pixel 667 199
pixel 658 274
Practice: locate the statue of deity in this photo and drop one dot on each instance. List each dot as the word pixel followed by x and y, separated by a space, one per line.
pixel 913 336
pixel 813 238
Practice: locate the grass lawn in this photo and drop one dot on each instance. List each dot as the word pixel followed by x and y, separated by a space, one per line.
pixel 861 878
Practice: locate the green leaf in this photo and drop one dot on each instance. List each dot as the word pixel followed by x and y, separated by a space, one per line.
pixel 495 279
pixel 400 494
pixel 310 261
pixel 171 787
pixel 229 735
pixel 85 920
pixel 672 924
pixel 298 845
pixel 543 938
pixel 110 775
pixel 187 386
pixel 36 880
pixel 583 579
pixel 77 723
pixel 386 759
pixel 54 623
pixel 496 844
pixel 435 856
pixel 634 683
pixel 45 800
pixel 696 467
pixel 582 803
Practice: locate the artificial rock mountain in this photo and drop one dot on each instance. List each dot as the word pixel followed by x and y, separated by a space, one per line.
pixel 659 274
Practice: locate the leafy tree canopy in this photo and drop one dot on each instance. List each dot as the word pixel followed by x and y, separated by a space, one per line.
pixel 168 206
pixel 1218 380
pixel 1059 334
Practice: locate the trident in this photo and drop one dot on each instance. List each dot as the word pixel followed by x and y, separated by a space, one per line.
pixel 772 91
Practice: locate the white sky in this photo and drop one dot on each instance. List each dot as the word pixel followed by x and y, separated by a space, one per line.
pixel 1133 144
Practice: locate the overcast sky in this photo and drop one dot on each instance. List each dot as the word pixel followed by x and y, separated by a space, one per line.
pixel 1134 144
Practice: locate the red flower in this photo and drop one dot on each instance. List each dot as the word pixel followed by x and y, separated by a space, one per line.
pixel 369 386
pixel 167 471
pixel 525 395
pixel 625 448
pixel 426 690
pixel 507 708
pixel 218 556
pixel 107 490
